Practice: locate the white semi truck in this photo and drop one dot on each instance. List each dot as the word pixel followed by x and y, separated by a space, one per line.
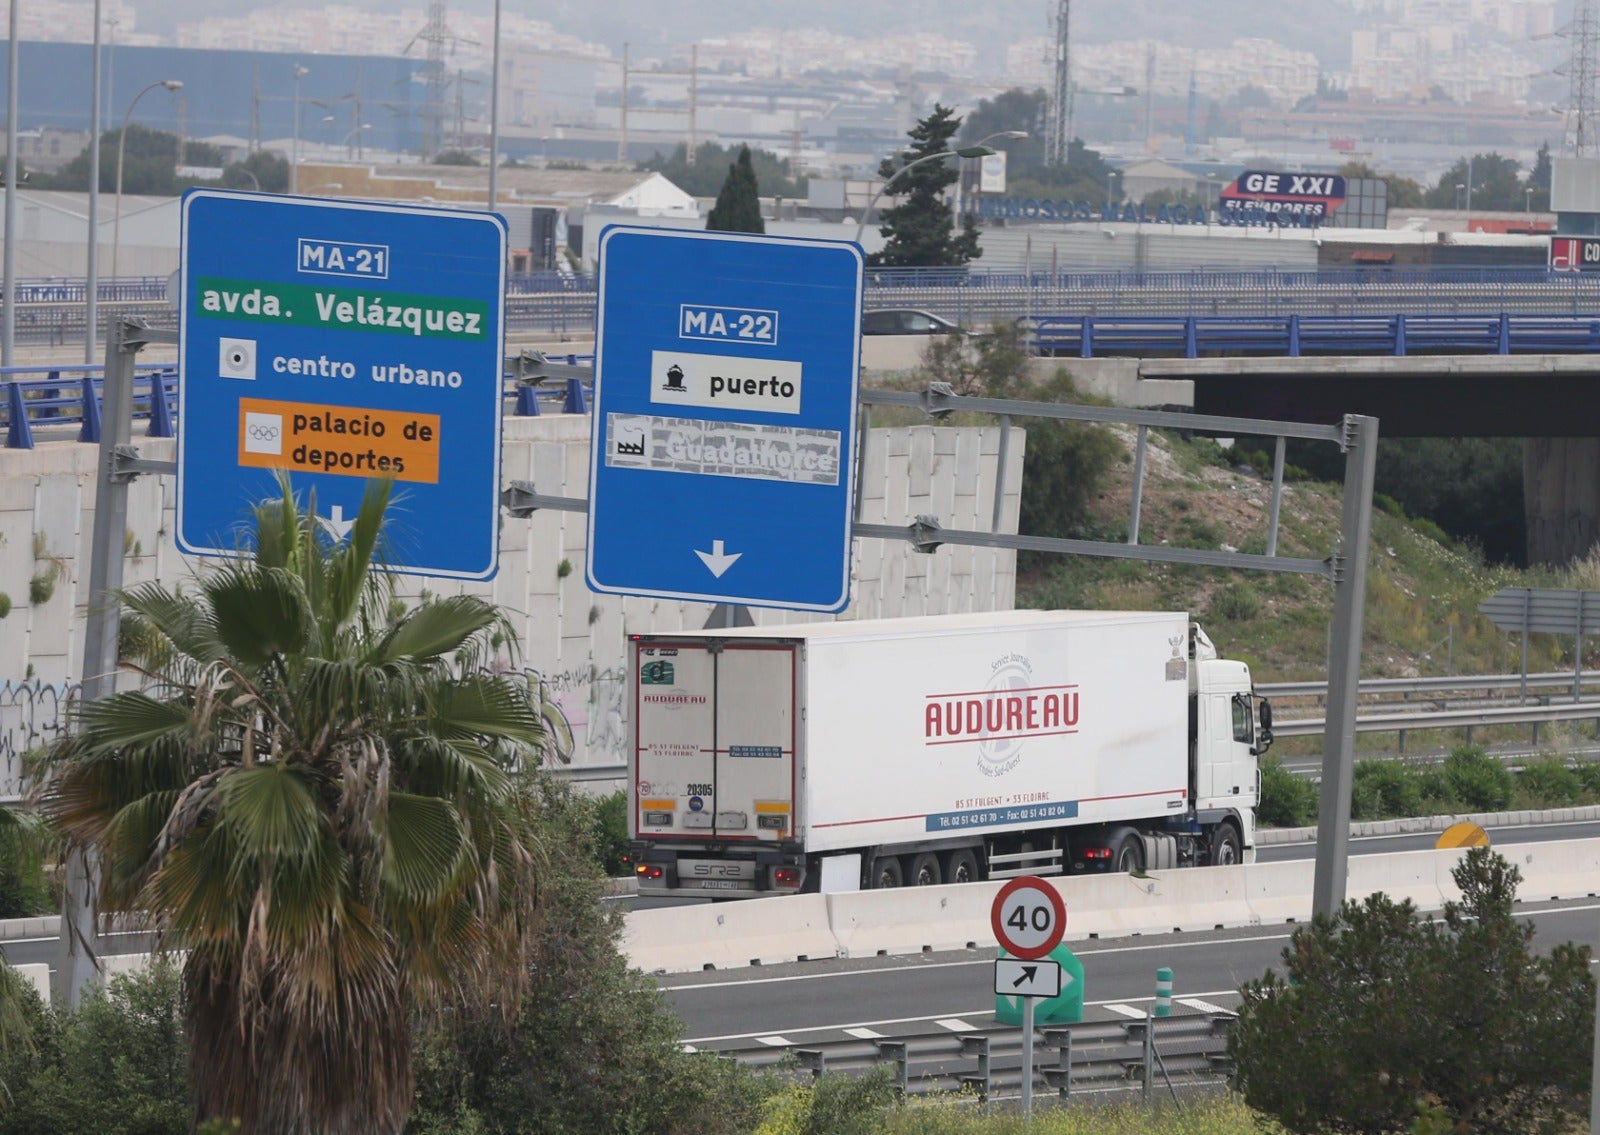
pixel 916 751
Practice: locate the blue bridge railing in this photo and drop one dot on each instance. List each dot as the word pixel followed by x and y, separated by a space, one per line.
pixel 52 396
pixel 1294 336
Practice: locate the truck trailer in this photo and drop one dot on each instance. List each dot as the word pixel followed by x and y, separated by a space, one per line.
pixel 946 749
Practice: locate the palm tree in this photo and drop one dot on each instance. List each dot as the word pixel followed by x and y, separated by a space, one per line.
pixel 312 797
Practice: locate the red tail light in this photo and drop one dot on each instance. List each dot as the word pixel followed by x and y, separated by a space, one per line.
pixel 649 871
pixel 1097 853
pixel 786 876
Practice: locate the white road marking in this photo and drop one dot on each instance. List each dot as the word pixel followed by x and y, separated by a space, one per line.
pixel 864 1034
pixel 1203 1006
pixel 956 1025
pixel 774 1041
pixel 690 1048
pixel 1126 1010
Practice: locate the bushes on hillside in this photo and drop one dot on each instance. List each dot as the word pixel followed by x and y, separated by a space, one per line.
pixel 1469 780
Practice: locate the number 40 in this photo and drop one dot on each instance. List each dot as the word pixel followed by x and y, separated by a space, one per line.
pixel 1039 917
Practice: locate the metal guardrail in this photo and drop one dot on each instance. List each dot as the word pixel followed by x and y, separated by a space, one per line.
pixel 1295 335
pixel 1448 718
pixel 1145 1055
pixel 1461 683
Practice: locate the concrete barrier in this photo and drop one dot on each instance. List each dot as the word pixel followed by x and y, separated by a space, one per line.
pixel 1421 876
pixel 912 919
pixel 38 975
pixel 1565 869
pixel 1279 892
pixel 723 935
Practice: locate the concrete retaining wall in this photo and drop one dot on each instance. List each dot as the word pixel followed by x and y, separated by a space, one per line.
pixel 572 639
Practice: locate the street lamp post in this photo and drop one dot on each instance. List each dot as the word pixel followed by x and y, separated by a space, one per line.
pixel 494 108
pixel 8 323
pixel 91 313
pixel 1459 190
pixel 122 147
pixel 349 147
pixel 294 146
pixel 964 152
pixel 1527 200
pixel 1015 135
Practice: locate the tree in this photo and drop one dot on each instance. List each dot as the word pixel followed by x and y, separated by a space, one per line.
pixel 703 176
pixel 1385 1019
pixel 738 207
pixel 455 158
pixel 1082 177
pixel 313 796
pixel 919 232
pixel 1402 192
pixel 1493 180
pixel 270 171
pixel 149 162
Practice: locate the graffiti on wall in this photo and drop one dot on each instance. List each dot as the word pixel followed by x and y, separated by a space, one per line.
pixel 583 710
pixel 32 716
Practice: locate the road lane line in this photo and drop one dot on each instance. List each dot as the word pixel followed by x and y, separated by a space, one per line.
pixel 1203 1006
pixel 864 1034
pixel 1125 1010
pixel 774 1041
pixel 956 1025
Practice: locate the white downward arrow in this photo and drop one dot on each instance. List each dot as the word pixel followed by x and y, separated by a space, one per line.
pixel 716 559
pixel 335 524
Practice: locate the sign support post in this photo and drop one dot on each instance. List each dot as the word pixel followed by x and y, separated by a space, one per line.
pixel 76 966
pixel 1028 917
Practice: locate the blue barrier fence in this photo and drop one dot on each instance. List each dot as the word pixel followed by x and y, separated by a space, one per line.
pixel 1244 279
pixel 42 396
pixel 1293 336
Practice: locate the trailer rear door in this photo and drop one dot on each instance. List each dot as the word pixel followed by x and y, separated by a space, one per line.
pixel 715 740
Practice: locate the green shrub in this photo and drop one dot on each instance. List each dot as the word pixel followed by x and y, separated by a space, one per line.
pixel 611 833
pixel 1237 602
pixel 5 604
pixel 594 1047
pixel 835 1105
pixel 1549 783
pixel 1427 528
pixel 1287 801
pixel 24 889
pixel 1588 774
pixel 1476 781
pixel 1383 789
pixel 119 1066
pixel 1383 502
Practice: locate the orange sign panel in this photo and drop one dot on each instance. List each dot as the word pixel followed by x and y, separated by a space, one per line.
pixel 306 437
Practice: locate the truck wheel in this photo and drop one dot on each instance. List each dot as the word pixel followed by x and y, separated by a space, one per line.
pixel 1129 856
pixel 961 867
pixel 924 871
pixel 886 873
pixel 1226 846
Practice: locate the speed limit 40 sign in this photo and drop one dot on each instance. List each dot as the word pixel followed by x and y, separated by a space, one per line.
pixel 1028 917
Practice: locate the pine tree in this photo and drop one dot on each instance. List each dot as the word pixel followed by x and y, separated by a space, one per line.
pixel 738 207
pixel 920 232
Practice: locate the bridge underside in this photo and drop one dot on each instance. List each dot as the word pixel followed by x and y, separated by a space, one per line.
pixel 1550 401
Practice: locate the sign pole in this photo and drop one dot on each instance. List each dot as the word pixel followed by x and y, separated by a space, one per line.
pixel 76 966
pixel 1027 1058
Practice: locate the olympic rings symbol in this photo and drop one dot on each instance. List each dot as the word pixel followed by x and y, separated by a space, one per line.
pixel 263 433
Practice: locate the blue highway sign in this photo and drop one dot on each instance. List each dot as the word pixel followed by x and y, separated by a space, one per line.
pixel 726 375
pixel 337 342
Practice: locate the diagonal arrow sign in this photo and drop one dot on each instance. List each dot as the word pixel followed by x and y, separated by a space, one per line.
pixel 335 525
pixel 716 559
pixel 1026 977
